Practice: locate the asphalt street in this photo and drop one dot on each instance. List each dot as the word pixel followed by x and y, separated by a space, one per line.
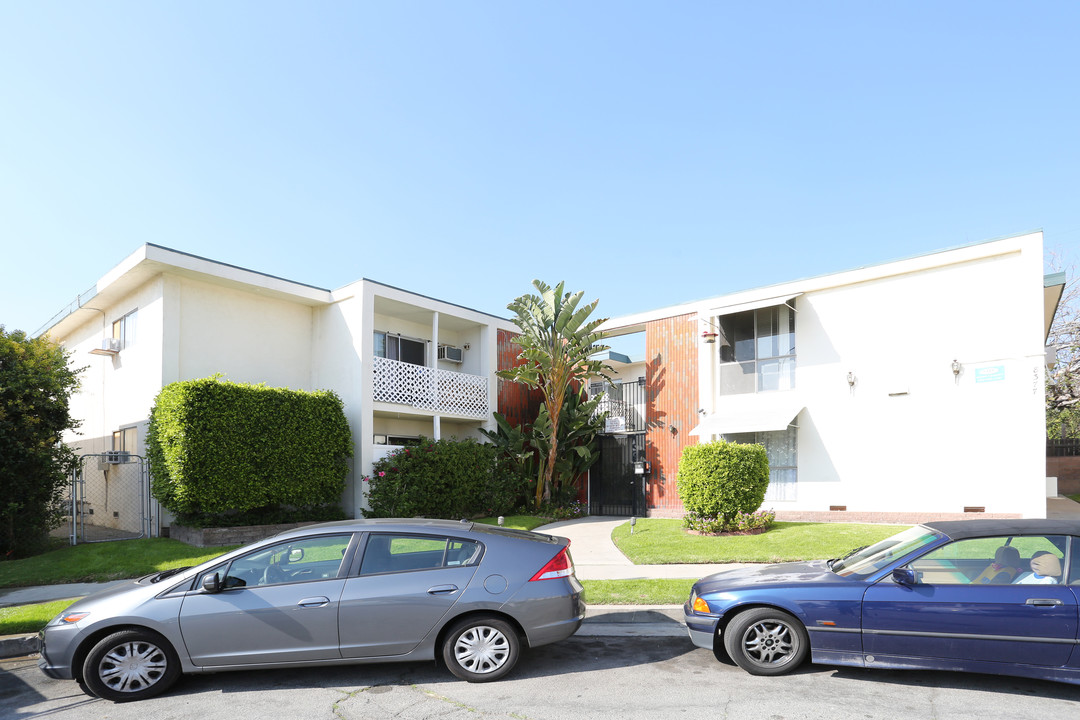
pixel 583 677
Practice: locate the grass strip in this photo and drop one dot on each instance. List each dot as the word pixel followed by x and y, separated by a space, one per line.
pixel 663 542
pixel 637 592
pixel 102 562
pixel 30 618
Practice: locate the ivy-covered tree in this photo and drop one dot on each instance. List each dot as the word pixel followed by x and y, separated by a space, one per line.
pixel 558 340
pixel 36 384
pixel 1063 380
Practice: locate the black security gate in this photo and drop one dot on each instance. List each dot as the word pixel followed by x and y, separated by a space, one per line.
pixel 614 487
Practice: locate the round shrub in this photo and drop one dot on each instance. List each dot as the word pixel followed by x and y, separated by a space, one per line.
pixel 721 479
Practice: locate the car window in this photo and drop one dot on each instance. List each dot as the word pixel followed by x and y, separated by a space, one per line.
pixel 865 561
pixel 401 553
pixel 1003 560
pixel 299 560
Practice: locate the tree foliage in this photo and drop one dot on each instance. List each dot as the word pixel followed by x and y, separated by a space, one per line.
pixel 558 340
pixel 518 450
pixel 36 384
pixel 1063 380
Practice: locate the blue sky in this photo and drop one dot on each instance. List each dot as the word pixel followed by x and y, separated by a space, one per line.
pixel 647 153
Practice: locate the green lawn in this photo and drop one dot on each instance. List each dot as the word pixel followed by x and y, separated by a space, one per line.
pixel 664 542
pixel 102 562
pixel 518 522
pixel 637 592
pixel 30 618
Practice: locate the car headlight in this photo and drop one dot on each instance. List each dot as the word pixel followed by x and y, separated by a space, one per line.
pixel 66 618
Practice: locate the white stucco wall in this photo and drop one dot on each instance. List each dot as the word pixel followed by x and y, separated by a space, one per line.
pixel 910 435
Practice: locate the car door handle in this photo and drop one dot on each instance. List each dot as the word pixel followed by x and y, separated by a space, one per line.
pixel 442 590
pixel 314 602
pixel 1044 602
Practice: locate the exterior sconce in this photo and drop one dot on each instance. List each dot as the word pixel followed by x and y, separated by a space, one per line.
pixel 956 368
pixel 851 379
pixel 709 337
pixel 641 381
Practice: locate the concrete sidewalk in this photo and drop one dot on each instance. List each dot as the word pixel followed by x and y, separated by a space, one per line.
pixel 597 558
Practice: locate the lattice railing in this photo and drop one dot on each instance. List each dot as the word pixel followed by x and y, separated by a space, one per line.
pixel 430 389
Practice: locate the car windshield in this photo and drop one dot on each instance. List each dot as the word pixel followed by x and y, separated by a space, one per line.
pixel 868 560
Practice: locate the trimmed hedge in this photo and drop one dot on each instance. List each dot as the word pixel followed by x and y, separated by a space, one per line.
pixel 720 480
pixel 222 449
pixel 441 479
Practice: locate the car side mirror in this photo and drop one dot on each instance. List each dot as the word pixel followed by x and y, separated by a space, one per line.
pixel 211 583
pixel 905 576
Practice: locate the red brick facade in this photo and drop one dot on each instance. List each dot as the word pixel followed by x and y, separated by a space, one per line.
pixel 671 412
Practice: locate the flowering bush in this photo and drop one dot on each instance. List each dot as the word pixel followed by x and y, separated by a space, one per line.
pixel 566 512
pixel 439 478
pixel 742 522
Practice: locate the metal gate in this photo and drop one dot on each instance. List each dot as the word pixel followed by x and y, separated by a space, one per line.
pixel 110 499
pixel 614 489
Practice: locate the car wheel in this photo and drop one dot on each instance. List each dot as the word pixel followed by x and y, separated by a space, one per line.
pixel 481 649
pixel 131 665
pixel 764 641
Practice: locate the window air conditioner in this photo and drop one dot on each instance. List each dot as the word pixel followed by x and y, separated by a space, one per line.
pixel 451 353
pixel 109 346
pixel 116 457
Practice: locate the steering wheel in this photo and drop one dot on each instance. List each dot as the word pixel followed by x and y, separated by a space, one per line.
pixel 274 574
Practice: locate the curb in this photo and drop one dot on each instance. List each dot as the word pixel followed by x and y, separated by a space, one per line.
pixel 12 646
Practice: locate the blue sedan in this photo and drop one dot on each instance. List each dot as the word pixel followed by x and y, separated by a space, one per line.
pixel 988 596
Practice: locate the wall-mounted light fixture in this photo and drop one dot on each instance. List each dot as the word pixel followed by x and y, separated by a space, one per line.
pixel 956 368
pixel 641 381
pixel 851 379
pixel 701 411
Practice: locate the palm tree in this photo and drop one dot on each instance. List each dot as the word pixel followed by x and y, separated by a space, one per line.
pixel 557 343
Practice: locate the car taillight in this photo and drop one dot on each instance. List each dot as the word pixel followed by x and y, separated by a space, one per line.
pixel 559 566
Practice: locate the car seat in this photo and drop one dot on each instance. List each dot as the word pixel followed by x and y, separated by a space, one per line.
pixel 1004 568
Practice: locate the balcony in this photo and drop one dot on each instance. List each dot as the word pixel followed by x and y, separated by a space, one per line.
pixel 425 388
pixel 624 404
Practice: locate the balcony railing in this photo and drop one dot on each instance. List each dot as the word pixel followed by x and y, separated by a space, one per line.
pixel 431 389
pixel 624 405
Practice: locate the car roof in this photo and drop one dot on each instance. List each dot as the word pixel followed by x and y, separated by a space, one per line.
pixel 399 524
pixel 960 529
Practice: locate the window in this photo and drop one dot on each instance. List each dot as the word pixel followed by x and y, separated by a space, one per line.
pixel 401 553
pixel 396 347
pixel 123 329
pixel 301 560
pixel 782 447
pixel 757 350
pixel 126 440
pixel 1021 560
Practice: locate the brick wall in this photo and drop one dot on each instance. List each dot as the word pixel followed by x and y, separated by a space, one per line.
pixel 671 406
pixel 1067 471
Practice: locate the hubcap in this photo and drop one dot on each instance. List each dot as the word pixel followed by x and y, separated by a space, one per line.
pixel 769 643
pixel 482 649
pixel 132 666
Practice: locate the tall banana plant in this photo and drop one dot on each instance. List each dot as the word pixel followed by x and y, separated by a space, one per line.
pixel 558 340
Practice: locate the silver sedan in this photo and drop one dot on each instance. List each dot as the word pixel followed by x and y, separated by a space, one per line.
pixel 357 591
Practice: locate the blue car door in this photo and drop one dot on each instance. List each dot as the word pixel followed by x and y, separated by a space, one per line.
pixel 965 606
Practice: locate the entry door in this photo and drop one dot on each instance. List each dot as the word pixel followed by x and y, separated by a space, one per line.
pixel 614 488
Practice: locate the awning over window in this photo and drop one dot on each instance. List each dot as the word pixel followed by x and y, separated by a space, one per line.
pixel 753 412
pixel 753 305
